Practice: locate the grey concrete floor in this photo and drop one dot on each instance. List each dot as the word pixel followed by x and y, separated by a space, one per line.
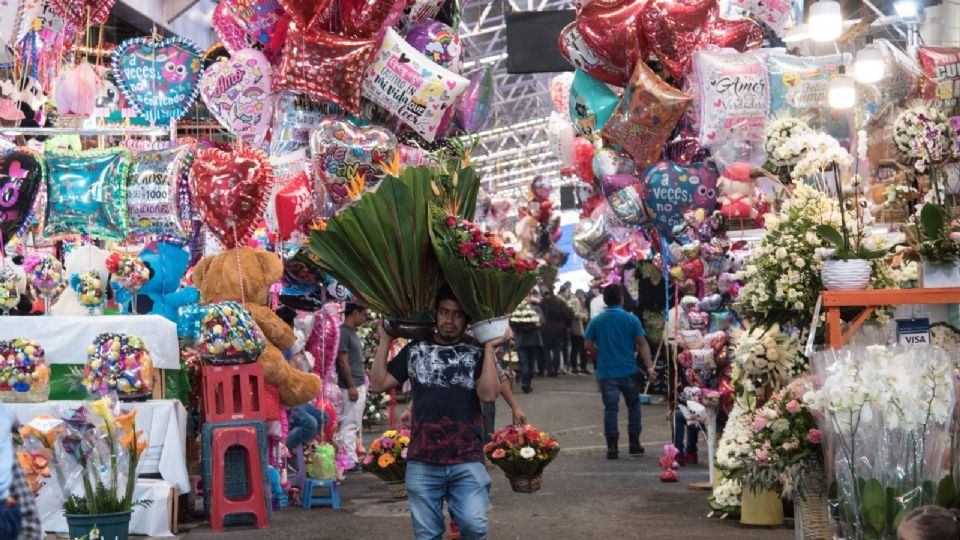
pixel 583 495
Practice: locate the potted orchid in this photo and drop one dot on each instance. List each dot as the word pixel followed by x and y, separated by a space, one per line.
pixel 935 241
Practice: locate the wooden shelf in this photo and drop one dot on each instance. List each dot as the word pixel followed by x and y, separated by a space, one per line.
pixel 872 299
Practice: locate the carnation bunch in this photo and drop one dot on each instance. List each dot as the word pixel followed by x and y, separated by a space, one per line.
pixel 521 451
pixel 386 456
pixel 483 250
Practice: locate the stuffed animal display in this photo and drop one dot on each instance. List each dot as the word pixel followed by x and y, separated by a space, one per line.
pixel 163 295
pixel 737 189
pixel 244 274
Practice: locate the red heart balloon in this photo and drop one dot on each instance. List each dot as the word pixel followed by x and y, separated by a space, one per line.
pixel 577 52
pixel 231 190
pixel 675 29
pixel 74 12
pixel 583 151
pixel 741 34
pixel 609 28
pixel 303 12
pixel 325 66
pixel 364 18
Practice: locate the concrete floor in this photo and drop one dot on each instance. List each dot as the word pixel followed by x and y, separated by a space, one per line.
pixel 584 495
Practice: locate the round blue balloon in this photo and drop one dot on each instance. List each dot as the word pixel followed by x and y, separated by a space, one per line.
pixel 591 105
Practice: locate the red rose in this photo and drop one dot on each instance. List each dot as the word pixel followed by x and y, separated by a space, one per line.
pixel 450 221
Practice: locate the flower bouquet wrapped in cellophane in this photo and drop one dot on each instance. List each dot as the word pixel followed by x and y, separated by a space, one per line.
pixel 489 279
pixel 889 416
pixel 379 247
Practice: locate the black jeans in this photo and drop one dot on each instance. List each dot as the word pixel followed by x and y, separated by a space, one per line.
pixel 552 344
pixel 577 353
pixel 528 356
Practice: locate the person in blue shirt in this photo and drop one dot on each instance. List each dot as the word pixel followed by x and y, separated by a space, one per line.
pixel 614 337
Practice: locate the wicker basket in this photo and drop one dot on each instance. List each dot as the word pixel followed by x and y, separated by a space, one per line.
pixel 811 511
pixel 525 484
pixel 398 490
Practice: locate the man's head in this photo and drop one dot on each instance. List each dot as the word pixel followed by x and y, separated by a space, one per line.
pixel 566 289
pixel 451 320
pixel 580 294
pixel 613 295
pixel 533 296
pixel 354 314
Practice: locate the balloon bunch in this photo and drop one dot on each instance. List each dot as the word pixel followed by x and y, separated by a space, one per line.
pixel 24 376
pixel 227 334
pixel 118 363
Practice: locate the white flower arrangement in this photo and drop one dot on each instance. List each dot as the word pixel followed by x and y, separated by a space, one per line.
pixel 727 494
pixel 818 152
pixel 776 133
pixel 923 132
pixel 734 445
pixel 767 353
pixel 525 315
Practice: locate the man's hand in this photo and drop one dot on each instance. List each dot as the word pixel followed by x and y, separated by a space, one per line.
pixel 501 340
pixel 651 373
pixel 406 416
pixel 519 417
pixel 353 393
pixel 385 338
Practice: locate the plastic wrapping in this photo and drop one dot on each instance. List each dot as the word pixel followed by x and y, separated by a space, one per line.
pixel 118 363
pixel 24 375
pixel 227 334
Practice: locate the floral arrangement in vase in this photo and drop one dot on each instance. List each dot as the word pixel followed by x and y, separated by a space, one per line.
pixel 522 452
pixel 923 133
pixel 733 451
pixel 810 153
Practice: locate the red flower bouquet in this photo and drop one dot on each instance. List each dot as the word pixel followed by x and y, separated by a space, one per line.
pixel 522 452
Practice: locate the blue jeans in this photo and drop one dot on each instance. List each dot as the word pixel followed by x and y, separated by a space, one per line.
pixel 610 390
pixel 552 347
pixel 306 422
pixel 465 486
pixel 528 356
pixel 681 427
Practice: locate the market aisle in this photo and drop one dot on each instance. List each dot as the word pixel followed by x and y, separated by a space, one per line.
pixel 583 495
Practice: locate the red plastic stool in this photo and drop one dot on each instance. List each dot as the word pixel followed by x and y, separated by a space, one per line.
pixel 254 502
pixel 234 393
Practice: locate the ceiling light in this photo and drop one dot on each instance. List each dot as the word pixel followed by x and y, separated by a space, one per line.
pixel 800 32
pixel 826 20
pixel 842 93
pixel 908 10
pixel 869 66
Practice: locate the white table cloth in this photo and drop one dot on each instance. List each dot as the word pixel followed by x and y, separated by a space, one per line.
pixel 149 521
pixel 65 338
pixel 164 424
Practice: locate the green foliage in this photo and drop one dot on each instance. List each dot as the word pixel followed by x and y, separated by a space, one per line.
pixel 104 501
pixel 845 251
pixel 931 239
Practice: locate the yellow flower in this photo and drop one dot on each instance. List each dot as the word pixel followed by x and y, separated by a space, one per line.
pixel 390 433
pixel 385 461
pixel 101 408
pixel 404 440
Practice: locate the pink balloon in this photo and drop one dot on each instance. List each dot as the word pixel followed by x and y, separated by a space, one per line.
pixel 411 156
pixel 76 90
pixel 235 37
pixel 583 151
pixel 265 20
pixel 237 93
pixel 560 91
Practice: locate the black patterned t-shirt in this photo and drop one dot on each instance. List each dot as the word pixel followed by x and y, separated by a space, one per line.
pixel 446 427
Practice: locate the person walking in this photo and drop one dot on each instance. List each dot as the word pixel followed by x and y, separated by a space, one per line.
pixel 350 379
pixel 529 344
pixel 449 377
pixel 578 355
pixel 557 321
pixel 616 337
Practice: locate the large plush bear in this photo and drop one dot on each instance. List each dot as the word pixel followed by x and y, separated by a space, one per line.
pixel 162 295
pixel 219 278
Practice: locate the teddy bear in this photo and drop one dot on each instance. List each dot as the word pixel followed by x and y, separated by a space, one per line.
pixel 162 295
pixel 737 190
pixel 79 260
pixel 245 274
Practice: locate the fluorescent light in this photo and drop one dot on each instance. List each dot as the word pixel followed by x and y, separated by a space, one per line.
pixel 826 20
pixel 842 93
pixel 800 32
pixel 869 66
pixel 908 10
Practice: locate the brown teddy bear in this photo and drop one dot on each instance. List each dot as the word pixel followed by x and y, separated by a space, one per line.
pixel 218 279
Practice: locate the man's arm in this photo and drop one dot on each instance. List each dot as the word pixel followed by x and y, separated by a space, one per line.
pixel 488 386
pixel 380 380
pixel 590 346
pixel 644 348
pixel 343 366
pixel 519 418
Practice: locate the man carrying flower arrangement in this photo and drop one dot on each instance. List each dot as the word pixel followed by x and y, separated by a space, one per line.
pixel 449 378
pixel 615 337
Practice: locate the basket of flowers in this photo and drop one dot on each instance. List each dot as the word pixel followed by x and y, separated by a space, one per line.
pixel 524 318
pixel 522 452
pixel 386 459
pixel 489 279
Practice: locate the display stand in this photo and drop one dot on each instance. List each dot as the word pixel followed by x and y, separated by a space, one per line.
pixel 869 300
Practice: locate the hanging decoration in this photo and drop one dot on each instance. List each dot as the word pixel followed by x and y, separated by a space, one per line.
pixel 159 78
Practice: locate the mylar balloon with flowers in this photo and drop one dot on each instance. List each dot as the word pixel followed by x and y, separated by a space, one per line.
pixel 231 189
pixel 410 86
pixel 348 159
pixel 87 193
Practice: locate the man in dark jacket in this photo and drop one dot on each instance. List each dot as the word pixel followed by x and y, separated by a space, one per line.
pixel 557 320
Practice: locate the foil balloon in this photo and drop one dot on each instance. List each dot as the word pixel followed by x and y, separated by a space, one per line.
pixel 236 38
pixel 609 28
pixel 560 91
pixel 583 152
pixel 741 34
pixel 625 195
pixel 607 161
pixel 589 235
pixel 439 43
pixel 778 15
pixel 685 151
pixel 159 78
pixel 411 156
pixel 265 20
pixel 76 90
pixel 561 135
pixel 473 108
pixel 294 206
pixel 303 12
pixel 21 173
pixel 418 11
pixel 646 116
pixel 364 18
pixel 799 87
pixel 231 190
pixel 153 196
pixel 675 29
pixel 411 86
pixel 940 76
pixel 81 13
pixel 342 153
pixel 237 94
pixel 582 57
pixel 540 189
pixel 673 189
pixel 325 66
pixel 733 97
pixel 86 193
pixel 591 104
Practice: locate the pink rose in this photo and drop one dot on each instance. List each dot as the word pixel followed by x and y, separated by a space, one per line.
pixel 813 436
pixel 762 455
pixel 758 424
pixel 793 407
